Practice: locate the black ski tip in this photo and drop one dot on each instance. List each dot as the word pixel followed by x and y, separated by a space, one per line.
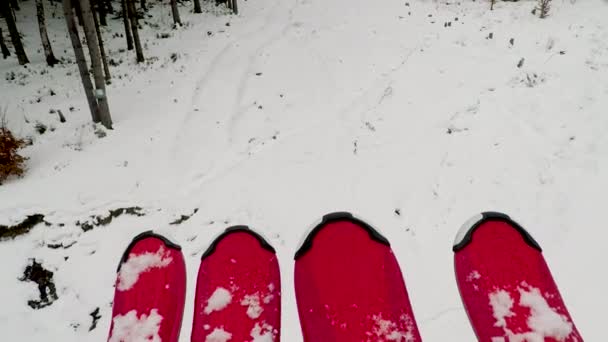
pixel 147 234
pixel 235 229
pixel 334 217
pixel 465 234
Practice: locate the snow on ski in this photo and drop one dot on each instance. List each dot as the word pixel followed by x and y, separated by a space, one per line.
pixel 349 286
pixel 506 286
pixel 150 291
pixel 238 291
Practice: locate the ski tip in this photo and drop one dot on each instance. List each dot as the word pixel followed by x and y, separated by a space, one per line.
pixel 236 229
pixel 144 235
pixel 306 244
pixel 465 233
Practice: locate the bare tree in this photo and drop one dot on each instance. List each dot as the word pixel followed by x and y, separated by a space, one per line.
pixel 76 4
pixel 14 33
pixel 102 51
pixel 44 37
pixel 197 6
pixel 98 77
pixel 125 20
pixel 101 9
pixel 176 20
pixel 15 5
pixel 5 51
pixel 108 6
pixel 235 7
pixel 139 52
pixel 543 8
pixel 80 59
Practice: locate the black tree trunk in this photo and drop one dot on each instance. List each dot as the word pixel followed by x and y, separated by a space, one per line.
pixel 12 29
pixel 80 59
pixel 98 77
pixel 125 20
pixel 44 37
pixel 176 20
pixel 133 15
pixel 5 51
pixel 102 51
pixel 197 6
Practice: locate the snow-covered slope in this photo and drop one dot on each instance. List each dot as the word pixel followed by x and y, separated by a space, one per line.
pixel 414 115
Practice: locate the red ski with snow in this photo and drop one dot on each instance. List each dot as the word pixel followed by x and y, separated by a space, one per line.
pixel 349 286
pixel 506 286
pixel 238 290
pixel 150 291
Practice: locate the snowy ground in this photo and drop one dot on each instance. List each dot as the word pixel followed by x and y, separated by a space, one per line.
pixel 302 107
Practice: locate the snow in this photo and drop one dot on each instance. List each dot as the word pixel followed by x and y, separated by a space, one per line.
pixel 138 264
pixel 218 300
pixel 252 302
pixel 501 303
pixel 543 322
pixel 218 335
pixel 131 328
pixel 358 107
pixel 262 333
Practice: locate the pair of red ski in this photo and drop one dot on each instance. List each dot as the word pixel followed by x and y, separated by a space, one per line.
pixel 349 287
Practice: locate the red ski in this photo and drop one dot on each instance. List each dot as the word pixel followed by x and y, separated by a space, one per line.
pixel 238 290
pixel 506 286
pixel 349 285
pixel 150 291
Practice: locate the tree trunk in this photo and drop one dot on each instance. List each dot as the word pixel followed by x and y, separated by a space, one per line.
pixel 176 20
pixel 197 6
pixel 78 12
pixel 80 59
pixel 5 51
pixel 15 5
pixel 12 29
pixel 102 51
pixel 133 15
pixel 125 20
pixel 101 8
pixel 142 3
pixel 235 7
pixel 108 5
pixel 93 44
pixel 44 37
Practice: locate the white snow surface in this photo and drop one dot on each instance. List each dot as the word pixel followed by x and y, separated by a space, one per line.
pixel 132 328
pixel 220 298
pixel 544 321
pixel 218 335
pixel 138 264
pixel 303 107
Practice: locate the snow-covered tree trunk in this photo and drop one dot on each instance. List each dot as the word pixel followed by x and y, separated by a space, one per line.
pixel 197 6
pixel 80 59
pixel 44 37
pixel 125 20
pixel 5 51
pixel 176 20
pixel 93 44
pixel 7 12
pixel 102 50
pixel 133 16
